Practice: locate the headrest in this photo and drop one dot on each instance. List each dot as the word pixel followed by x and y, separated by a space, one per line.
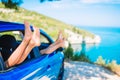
pixel 7 41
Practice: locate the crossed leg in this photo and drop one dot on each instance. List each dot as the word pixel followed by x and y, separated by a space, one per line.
pixel 25 47
pixel 35 41
pixel 28 43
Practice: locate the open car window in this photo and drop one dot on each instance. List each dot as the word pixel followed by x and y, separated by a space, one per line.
pixel 16 34
pixel 43 39
pixel 44 42
pixel 35 52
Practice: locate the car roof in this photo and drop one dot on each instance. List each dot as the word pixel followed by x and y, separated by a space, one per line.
pixel 11 26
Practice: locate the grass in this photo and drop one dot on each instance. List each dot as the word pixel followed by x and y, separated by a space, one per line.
pixel 50 25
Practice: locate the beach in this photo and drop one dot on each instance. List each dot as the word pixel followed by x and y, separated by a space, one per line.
pixel 74 70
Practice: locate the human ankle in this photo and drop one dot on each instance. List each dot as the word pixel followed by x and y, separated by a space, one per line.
pixel 27 39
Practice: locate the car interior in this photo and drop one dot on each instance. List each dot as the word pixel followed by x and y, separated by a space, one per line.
pixel 8 43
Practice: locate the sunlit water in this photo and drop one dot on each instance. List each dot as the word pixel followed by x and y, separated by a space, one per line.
pixel 109 48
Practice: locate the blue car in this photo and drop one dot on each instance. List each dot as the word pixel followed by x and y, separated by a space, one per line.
pixel 35 66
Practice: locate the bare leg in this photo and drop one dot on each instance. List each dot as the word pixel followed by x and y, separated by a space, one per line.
pixel 60 37
pixel 58 43
pixel 20 49
pixel 35 41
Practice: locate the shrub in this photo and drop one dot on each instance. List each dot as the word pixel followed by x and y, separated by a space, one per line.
pixel 75 57
pixel 68 52
pixel 84 58
pixel 113 66
pixel 100 61
pixel 79 56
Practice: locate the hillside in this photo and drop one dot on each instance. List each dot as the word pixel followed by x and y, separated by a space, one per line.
pixel 50 25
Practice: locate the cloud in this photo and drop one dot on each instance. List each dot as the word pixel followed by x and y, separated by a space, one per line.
pixel 76 3
pixel 63 4
pixel 100 1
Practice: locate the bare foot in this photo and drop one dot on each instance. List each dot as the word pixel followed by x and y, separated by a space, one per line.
pixel 28 32
pixel 60 37
pixel 35 41
pixel 62 43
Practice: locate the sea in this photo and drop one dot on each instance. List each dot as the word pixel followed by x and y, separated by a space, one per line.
pixel 108 48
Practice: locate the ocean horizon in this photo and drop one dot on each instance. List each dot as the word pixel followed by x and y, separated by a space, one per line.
pixel 109 48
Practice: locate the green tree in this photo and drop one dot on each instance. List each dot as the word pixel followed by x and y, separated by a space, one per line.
pixel 12 4
pixel 69 52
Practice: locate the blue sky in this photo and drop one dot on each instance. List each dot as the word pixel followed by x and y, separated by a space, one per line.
pixel 79 12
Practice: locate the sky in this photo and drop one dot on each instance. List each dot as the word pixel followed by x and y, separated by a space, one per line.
pixel 79 12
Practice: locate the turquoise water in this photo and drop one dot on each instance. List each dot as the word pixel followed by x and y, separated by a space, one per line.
pixel 109 48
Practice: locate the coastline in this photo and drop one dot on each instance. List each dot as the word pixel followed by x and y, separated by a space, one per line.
pixel 75 38
pixel 75 70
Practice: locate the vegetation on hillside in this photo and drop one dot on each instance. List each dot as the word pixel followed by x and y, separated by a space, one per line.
pixel 113 66
pixel 70 54
pixel 79 56
pixel 12 4
pixel 50 25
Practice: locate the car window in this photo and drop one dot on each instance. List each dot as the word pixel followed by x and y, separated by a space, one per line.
pixel 7 43
pixel 19 36
pixel 16 34
pixel 33 54
pixel 43 39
